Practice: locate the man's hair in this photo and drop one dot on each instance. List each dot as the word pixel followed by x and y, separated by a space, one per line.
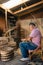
pixel 32 24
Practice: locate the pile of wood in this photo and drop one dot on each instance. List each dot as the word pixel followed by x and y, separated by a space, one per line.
pixel 7 53
pixel 7 50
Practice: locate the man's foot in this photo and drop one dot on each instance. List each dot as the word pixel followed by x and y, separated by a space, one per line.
pixel 24 59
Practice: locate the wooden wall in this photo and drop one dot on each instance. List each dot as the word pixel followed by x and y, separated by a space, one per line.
pixel 36 17
pixel 2 23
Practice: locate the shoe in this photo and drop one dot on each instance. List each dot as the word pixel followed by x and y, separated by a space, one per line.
pixel 24 59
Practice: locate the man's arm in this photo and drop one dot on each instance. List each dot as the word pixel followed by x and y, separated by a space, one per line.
pixel 27 39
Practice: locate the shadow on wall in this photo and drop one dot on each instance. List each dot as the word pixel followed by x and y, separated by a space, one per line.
pixel 1 32
pixel 38 22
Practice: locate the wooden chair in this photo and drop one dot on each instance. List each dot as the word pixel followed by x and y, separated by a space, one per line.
pixel 39 51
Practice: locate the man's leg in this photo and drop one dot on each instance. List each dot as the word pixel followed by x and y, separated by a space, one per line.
pixel 25 46
pixel 23 49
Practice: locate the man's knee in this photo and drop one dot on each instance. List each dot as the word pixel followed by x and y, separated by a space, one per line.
pixel 21 44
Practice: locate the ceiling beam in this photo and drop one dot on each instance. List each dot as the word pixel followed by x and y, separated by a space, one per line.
pixel 36 4
pixel 25 9
pixel 8 10
pixel 29 11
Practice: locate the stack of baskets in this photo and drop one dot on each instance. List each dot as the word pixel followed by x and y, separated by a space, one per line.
pixel 6 50
pixel 7 53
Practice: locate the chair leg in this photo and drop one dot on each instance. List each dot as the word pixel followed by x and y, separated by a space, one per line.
pixel 30 55
pixel 42 55
pixel 38 52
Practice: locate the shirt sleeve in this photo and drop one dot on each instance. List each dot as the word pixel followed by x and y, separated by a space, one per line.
pixel 33 34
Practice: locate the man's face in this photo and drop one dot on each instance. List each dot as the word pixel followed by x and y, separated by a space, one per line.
pixel 31 27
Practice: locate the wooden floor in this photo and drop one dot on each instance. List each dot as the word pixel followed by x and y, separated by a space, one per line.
pixel 16 61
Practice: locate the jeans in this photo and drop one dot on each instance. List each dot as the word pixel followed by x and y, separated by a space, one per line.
pixel 25 46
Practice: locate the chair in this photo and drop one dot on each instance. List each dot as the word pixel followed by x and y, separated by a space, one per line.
pixel 39 51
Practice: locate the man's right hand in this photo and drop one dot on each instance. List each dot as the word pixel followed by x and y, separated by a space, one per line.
pixel 23 40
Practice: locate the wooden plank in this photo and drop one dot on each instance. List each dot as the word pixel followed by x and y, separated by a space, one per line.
pixel 29 11
pixel 10 11
pixel 17 5
pixel 41 2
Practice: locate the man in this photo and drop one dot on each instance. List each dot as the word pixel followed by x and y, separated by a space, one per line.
pixel 30 43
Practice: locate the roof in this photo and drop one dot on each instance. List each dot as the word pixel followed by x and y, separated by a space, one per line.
pixel 25 8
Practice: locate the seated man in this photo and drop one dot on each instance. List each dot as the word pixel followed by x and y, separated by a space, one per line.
pixel 32 42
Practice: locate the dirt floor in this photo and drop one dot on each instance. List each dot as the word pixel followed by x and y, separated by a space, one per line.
pixel 16 61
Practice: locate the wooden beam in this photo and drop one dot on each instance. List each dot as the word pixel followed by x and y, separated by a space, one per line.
pixel 29 11
pixel 36 4
pixel 10 11
pixel 17 5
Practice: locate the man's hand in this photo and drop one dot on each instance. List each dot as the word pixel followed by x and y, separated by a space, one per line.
pixel 26 39
pixel 23 40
